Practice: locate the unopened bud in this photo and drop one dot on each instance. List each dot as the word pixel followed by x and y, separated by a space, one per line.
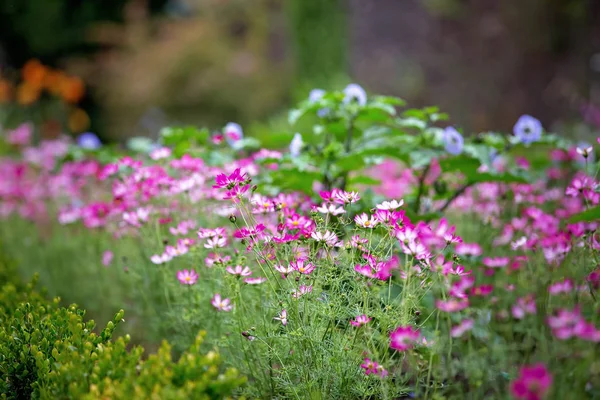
pixel 232 218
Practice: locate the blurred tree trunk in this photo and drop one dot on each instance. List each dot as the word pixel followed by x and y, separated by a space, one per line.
pixel 319 33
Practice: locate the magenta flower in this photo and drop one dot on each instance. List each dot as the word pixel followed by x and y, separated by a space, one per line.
pixel 187 277
pixel 360 320
pixel 229 181
pixel 524 305
pixel 404 337
pixel 239 270
pixel 282 317
pixel 220 303
pixel 532 383
pixel 107 258
pixel 302 266
pixel 373 367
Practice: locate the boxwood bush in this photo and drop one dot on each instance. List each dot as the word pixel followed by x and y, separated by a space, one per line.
pixel 51 352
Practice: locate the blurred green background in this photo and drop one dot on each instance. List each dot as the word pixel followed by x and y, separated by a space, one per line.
pixel 151 63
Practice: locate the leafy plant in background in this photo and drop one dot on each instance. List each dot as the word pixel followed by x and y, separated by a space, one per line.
pixel 41 102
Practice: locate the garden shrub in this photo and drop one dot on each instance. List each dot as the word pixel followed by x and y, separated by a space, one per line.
pixel 50 352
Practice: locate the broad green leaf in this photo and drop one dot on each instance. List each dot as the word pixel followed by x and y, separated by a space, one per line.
pixel 589 215
pixel 363 180
pixel 293 179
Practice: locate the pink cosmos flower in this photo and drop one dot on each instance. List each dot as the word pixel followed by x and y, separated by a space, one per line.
pixel 296 221
pixel 496 262
pixel 107 258
pixel 255 281
pixel 221 304
pixel 284 271
pixel 187 277
pixel 525 305
pixel 404 337
pixel 364 221
pixel 564 324
pixel 21 135
pixel 302 290
pixel 564 286
pixel 357 241
pixel 282 317
pixel 239 270
pixel 452 305
pixel 302 266
pixel 215 242
pixel 372 367
pixel 161 258
pixel 229 181
pixel 390 205
pixel 468 249
pixel 160 153
pixel 330 209
pixel 360 320
pixel 249 232
pixel 213 259
pixel 482 290
pixel 533 382
pixel 343 197
pixel 464 326
pixel 329 238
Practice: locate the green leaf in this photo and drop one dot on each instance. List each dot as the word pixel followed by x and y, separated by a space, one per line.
pixel 294 179
pixel 363 180
pixel 393 101
pixel 468 166
pixel 589 215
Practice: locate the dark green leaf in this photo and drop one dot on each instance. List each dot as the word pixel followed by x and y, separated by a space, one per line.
pixel 589 215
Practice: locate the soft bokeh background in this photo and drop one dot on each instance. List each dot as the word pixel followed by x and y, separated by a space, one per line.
pixel 151 63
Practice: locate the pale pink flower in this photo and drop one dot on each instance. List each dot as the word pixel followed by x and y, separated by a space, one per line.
pixel 464 326
pixel 220 303
pixel 330 209
pixel 255 281
pixel 364 221
pixel 282 317
pixel 107 258
pixel 390 205
pixel 360 320
pixel 302 290
pixel 187 277
pixel 239 270
pixel 215 242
